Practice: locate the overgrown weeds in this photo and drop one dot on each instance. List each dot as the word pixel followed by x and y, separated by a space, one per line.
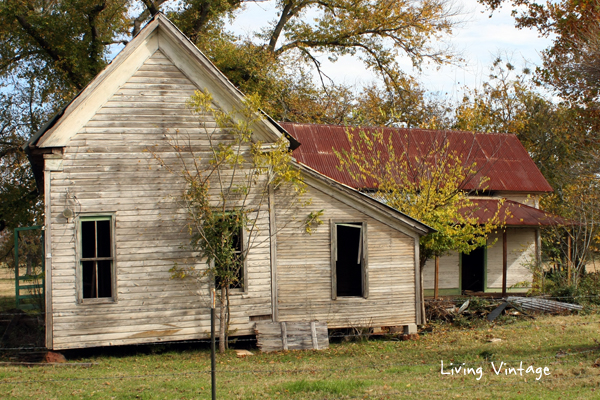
pixel 586 293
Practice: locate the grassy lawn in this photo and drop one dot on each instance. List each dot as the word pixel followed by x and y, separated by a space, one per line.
pixel 386 369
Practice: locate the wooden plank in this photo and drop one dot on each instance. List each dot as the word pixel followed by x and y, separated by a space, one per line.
pixel 284 338
pixel 48 260
pixel 293 335
pixel 333 259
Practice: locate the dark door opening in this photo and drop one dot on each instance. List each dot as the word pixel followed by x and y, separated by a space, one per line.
pixel 349 260
pixel 473 266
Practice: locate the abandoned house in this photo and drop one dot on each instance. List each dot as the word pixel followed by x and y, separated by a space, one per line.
pixel 510 174
pixel 114 227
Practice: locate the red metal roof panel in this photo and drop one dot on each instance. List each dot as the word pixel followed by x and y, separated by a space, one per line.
pixel 513 213
pixel 499 157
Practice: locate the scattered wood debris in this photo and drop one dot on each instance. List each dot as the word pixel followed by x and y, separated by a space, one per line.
pixel 544 305
pixel 494 314
pixel 243 353
pixel 275 336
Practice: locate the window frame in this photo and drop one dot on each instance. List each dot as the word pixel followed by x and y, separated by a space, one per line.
pixel 244 288
pixel 111 216
pixel 364 255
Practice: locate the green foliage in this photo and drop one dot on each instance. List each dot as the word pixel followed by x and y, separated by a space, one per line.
pixel 510 103
pixel 50 50
pixel 427 187
pixel 587 292
pixel 313 221
pixel 242 170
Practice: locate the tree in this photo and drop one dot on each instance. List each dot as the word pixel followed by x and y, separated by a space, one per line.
pixel 573 25
pixel 404 105
pixel 51 49
pixel 509 103
pixel 561 143
pixel 228 184
pixel 571 246
pixel 429 186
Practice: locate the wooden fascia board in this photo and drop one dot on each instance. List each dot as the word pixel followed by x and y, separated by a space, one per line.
pixel 102 87
pixel 198 68
pixel 365 204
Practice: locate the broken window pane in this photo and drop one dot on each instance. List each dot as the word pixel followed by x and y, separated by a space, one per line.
pixel 349 259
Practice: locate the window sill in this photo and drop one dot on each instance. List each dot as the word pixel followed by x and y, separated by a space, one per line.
pixel 108 300
pixel 350 298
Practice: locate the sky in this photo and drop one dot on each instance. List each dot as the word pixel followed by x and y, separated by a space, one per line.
pixel 479 39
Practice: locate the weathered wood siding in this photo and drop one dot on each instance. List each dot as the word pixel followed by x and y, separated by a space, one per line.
pixel 304 280
pixel 449 273
pixel 108 168
pixel 520 256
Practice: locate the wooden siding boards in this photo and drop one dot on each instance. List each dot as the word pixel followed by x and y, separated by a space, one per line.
pixel 118 174
pixel 449 273
pixel 521 255
pixel 304 278
pixel 102 161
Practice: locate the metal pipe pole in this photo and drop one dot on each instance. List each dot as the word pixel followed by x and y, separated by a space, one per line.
pixel 213 362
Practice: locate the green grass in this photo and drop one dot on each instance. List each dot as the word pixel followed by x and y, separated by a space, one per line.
pixel 376 369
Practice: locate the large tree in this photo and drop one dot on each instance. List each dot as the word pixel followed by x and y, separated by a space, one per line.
pixel 51 49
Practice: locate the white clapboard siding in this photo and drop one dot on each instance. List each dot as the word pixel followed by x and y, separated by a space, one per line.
pixel 110 165
pixel 304 268
pixel 448 275
pixel 520 257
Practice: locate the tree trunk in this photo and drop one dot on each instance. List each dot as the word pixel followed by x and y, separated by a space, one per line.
pixel 223 321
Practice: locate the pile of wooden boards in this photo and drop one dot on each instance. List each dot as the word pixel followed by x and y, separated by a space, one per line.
pixel 276 336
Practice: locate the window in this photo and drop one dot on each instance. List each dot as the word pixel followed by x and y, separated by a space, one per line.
pixel 349 259
pixel 96 258
pixel 235 270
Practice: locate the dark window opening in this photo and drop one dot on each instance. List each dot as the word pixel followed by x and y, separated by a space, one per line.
pixel 235 269
pixel 473 268
pixel 96 258
pixel 349 259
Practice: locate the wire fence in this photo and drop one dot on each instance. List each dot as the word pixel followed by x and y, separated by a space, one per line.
pixel 436 328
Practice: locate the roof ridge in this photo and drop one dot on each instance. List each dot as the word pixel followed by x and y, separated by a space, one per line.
pixel 399 128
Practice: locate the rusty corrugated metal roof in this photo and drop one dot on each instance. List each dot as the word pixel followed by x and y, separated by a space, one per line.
pixel 499 157
pixel 512 213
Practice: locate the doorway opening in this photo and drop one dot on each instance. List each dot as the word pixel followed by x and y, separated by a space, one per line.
pixel 473 270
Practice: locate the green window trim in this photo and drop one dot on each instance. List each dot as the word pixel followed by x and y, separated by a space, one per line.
pixel 96 259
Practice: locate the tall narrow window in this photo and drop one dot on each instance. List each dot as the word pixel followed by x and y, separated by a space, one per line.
pixel 96 257
pixel 235 270
pixel 349 262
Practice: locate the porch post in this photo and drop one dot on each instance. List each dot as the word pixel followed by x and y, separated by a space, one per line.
pixel 437 277
pixel 504 262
